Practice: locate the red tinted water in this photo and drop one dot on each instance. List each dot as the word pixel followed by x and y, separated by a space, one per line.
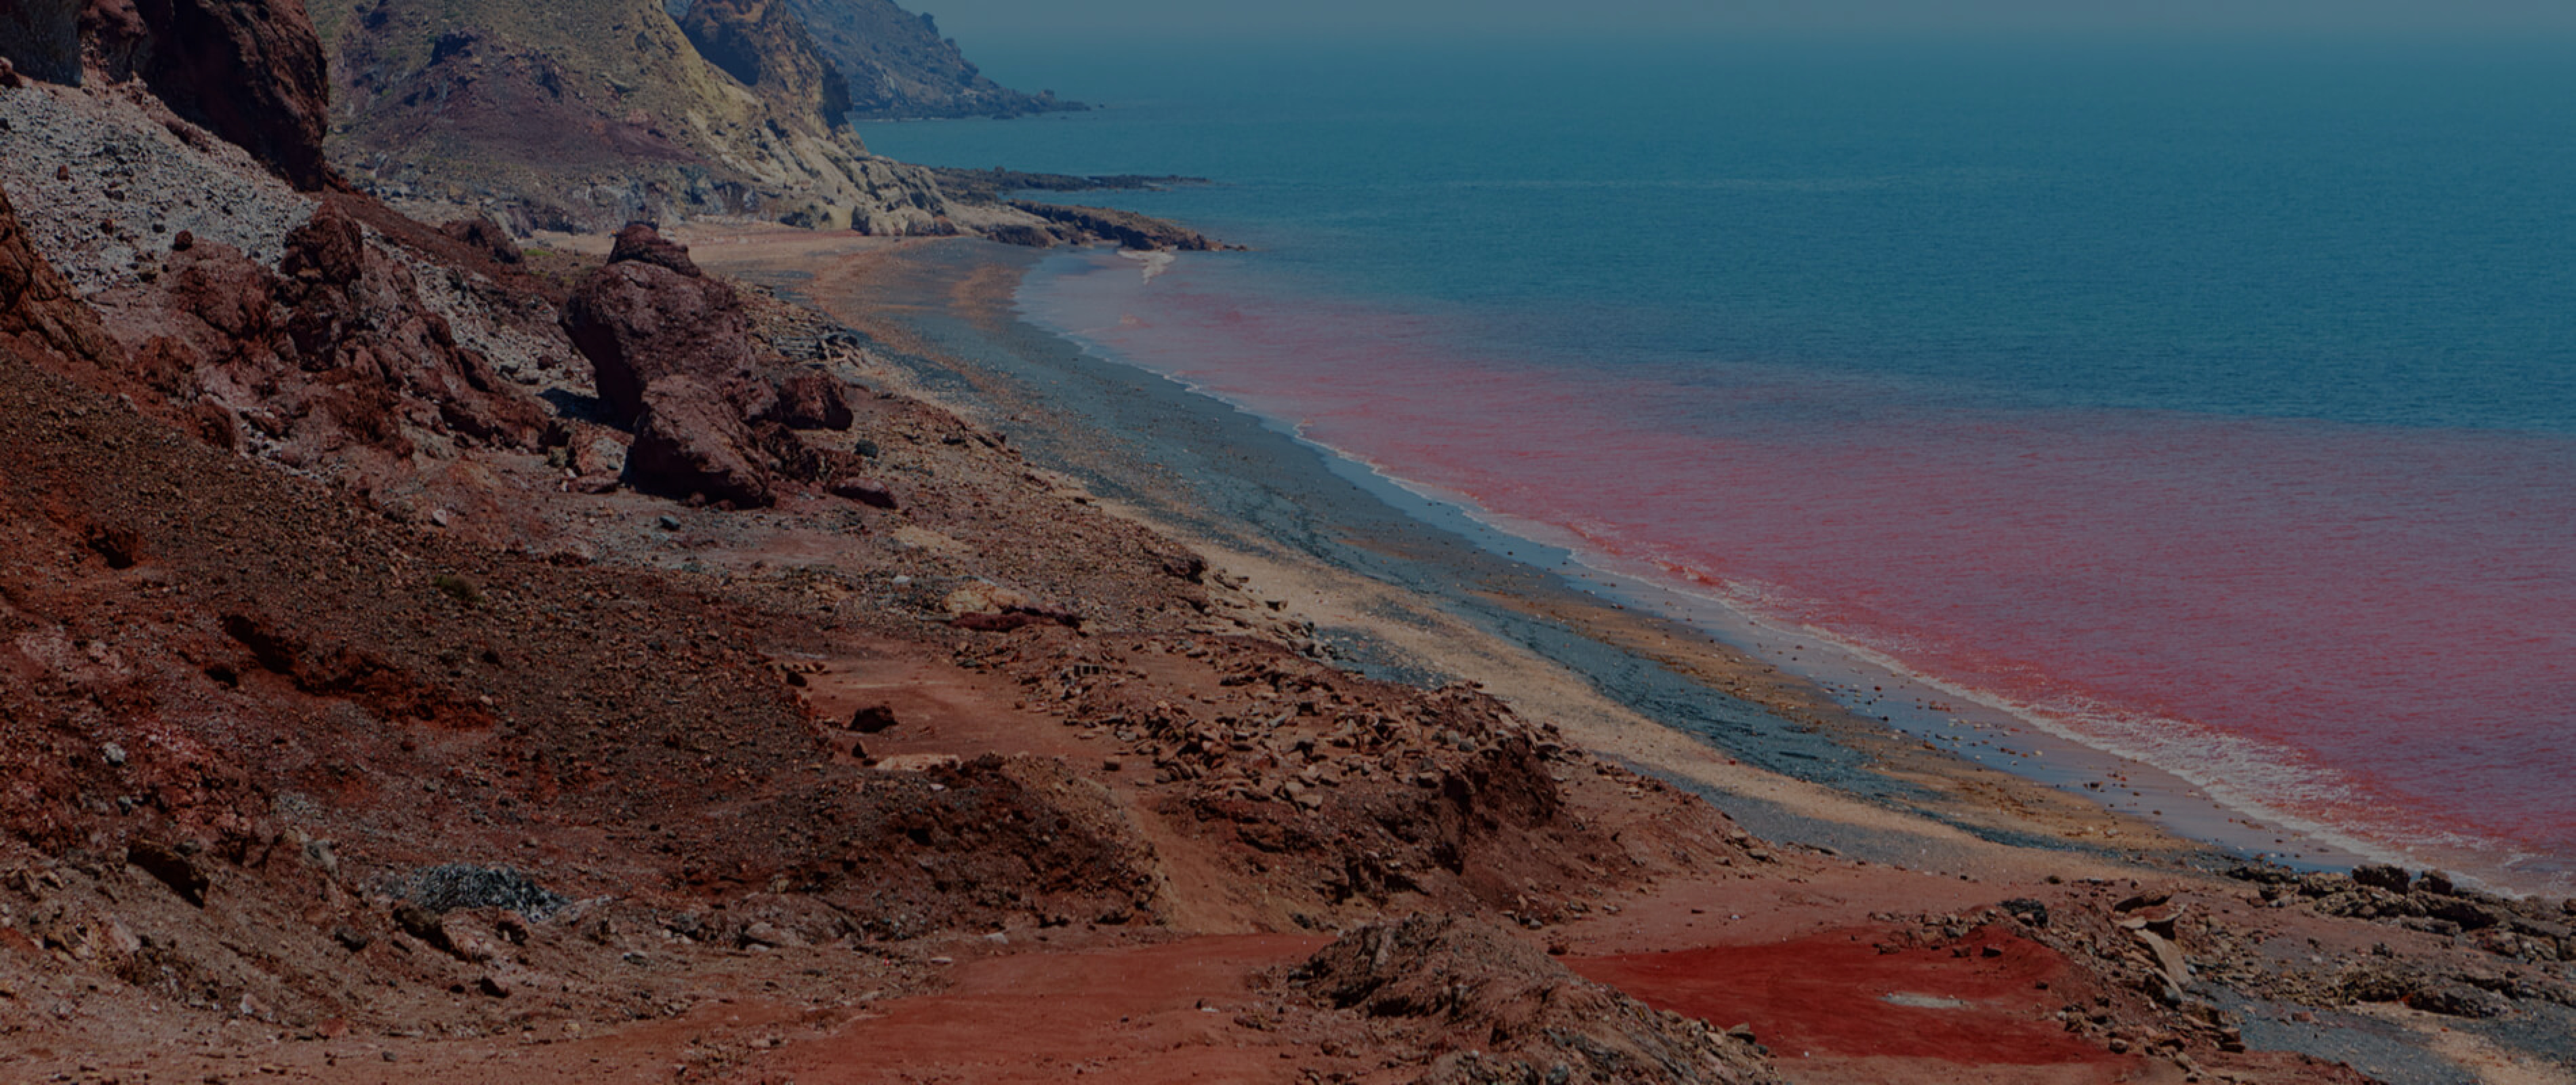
pixel 2366 628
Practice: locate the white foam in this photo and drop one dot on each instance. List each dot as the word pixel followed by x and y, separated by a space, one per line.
pixel 1156 262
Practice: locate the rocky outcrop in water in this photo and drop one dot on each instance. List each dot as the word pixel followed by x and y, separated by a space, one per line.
pixel 1127 228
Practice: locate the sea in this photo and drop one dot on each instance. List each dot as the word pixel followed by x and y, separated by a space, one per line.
pixel 2210 403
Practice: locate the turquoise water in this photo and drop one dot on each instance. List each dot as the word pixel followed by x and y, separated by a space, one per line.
pixel 2214 405
pixel 2366 234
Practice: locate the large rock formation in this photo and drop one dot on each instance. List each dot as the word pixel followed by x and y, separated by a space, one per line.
pixel 900 66
pixel 250 71
pixel 692 444
pixel 334 356
pixel 762 44
pixel 672 355
pixel 648 315
pixel 583 114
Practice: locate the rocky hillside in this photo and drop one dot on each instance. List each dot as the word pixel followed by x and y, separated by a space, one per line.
pixel 585 114
pixel 428 660
pixel 900 67
pixel 369 663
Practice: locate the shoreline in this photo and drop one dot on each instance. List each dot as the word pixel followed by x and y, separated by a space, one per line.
pixel 1426 598
pixel 1878 705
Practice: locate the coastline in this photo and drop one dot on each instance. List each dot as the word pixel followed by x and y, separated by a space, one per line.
pixel 1408 587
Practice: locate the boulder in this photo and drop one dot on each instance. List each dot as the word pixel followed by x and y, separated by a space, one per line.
pixel 812 400
pixel 2457 1000
pixel 486 237
pixel 689 442
pixel 640 243
pixel 174 867
pixel 638 321
pixel 339 342
pixel 864 491
pixel 329 249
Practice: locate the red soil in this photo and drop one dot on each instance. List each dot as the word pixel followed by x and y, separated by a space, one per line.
pixel 1180 1012
pixel 1832 993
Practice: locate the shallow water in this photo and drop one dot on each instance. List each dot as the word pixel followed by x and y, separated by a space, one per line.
pixel 2215 406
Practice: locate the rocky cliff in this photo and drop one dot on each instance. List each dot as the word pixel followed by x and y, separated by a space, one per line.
pixel 585 114
pixel 764 47
pixel 900 66
pixel 250 71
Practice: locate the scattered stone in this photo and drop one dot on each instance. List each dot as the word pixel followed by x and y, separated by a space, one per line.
pixel 917 762
pixel 864 491
pixel 177 869
pixel 813 400
pixel 874 719
pixel 486 237
pixel 442 889
pixel 2458 1000
pixel 2027 910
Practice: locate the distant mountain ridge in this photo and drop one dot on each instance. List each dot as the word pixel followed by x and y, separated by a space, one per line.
pixel 900 67
pixel 583 114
